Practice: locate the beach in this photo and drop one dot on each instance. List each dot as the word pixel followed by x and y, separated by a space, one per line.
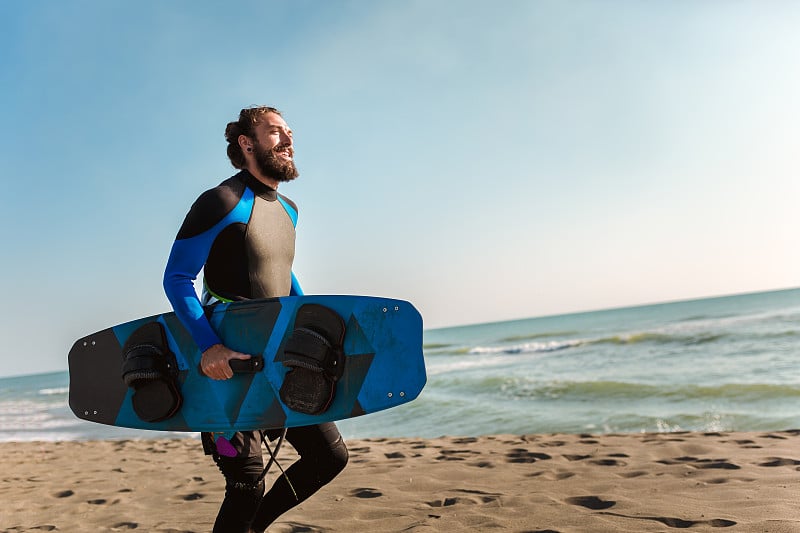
pixel 683 415
pixel 732 481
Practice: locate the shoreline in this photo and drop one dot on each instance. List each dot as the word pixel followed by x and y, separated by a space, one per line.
pixel 730 481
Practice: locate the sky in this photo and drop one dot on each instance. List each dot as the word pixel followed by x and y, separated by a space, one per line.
pixel 486 161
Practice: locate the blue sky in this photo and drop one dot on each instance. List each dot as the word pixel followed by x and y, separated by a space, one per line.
pixel 486 161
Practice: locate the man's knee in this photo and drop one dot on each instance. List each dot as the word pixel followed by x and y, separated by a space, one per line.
pixel 243 479
pixel 334 462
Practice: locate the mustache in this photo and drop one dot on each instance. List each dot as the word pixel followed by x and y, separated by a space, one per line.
pixel 272 165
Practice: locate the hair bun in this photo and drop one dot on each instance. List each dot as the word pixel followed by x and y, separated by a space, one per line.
pixel 232 132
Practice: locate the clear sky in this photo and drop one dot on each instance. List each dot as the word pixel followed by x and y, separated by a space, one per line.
pixel 484 160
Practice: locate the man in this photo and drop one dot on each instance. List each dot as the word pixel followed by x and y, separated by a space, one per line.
pixel 242 234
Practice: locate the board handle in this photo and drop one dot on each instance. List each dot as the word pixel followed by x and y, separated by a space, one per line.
pixel 247 366
pixel 242 366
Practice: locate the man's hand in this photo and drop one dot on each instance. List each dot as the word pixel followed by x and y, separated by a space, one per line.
pixel 214 362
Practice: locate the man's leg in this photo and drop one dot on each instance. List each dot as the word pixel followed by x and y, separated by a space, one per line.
pixel 243 488
pixel 323 454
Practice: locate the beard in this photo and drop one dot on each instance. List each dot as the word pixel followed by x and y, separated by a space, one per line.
pixel 272 166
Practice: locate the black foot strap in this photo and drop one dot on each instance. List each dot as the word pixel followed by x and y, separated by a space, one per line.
pixel 150 369
pixel 315 358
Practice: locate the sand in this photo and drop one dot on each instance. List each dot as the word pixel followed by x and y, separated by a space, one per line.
pixel 564 483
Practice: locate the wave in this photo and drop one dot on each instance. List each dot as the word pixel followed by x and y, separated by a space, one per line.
pixel 436 346
pixel 616 390
pixel 660 338
pixel 532 336
pixel 528 347
pixel 786 334
pixel 54 391
pixel 620 340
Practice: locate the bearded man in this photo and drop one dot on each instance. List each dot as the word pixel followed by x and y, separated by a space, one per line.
pixel 242 235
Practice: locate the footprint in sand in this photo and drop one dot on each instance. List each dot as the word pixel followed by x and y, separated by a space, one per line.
pixel 457 500
pixel 773 436
pixel 302 528
pixel 395 455
pixel 363 449
pixel 575 457
pixel 780 461
pixel 721 464
pixel 366 493
pixel 125 525
pixel 455 455
pixel 474 497
pixel 521 455
pixel 678 523
pixel 636 473
pixel 608 462
pixel 591 502
pixel 446 502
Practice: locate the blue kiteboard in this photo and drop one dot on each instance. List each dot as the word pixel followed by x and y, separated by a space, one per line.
pixel 380 365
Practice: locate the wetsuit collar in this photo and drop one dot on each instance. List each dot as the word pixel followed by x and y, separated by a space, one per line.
pixel 264 191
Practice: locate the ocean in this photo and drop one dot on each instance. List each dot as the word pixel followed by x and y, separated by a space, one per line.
pixel 710 365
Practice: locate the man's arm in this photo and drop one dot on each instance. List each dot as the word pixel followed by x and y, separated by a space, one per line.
pixel 210 214
pixel 186 259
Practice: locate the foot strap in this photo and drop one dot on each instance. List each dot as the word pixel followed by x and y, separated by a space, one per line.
pixel 150 369
pixel 314 356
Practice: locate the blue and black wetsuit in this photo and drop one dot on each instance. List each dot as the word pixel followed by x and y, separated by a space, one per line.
pixel 242 235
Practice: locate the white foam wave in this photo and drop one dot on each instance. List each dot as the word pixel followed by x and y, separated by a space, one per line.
pixel 42 420
pixel 27 407
pixel 25 415
pixel 56 390
pixel 528 347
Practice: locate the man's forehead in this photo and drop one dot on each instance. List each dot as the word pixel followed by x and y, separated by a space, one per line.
pixel 271 120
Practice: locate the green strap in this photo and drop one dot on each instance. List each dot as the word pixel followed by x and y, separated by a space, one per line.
pixel 215 295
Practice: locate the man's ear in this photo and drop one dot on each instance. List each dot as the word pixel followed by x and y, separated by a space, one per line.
pixel 245 143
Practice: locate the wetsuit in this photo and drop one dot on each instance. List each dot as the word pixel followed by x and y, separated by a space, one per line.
pixel 242 235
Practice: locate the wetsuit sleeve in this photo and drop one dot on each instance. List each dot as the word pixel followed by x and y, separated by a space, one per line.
pixel 185 262
pixel 211 213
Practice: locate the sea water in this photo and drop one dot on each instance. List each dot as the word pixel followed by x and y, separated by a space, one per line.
pixel 716 364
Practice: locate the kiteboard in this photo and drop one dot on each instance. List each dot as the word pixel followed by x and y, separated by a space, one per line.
pixel 315 359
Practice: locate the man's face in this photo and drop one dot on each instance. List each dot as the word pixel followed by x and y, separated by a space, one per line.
pixel 273 149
